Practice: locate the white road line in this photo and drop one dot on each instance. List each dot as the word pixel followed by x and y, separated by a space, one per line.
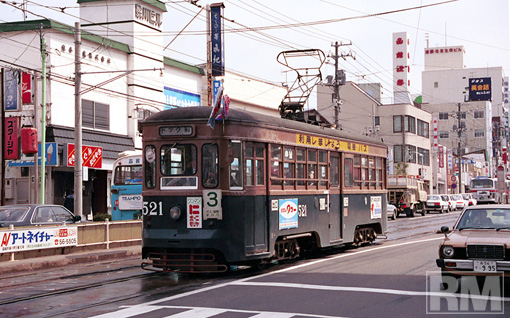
pixel 128 311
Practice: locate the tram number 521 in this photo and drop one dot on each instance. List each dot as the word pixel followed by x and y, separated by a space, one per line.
pixel 152 208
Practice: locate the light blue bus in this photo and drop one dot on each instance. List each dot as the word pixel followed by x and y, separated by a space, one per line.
pixel 126 190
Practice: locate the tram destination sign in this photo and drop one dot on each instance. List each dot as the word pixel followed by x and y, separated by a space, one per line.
pixel 176 131
pixel 308 140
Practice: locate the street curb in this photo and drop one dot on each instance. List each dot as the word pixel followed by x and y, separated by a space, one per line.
pixel 19 266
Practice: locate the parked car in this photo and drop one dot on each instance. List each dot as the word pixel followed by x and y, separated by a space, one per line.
pixel 449 199
pixel 478 244
pixel 35 214
pixel 391 211
pixel 469 197
pixel 435 202
pixel 460 202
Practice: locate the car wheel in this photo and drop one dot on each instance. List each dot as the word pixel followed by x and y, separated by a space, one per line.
pixel 394 217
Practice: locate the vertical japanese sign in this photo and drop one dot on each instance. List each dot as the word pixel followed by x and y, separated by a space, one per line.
pixel 440 153
pixel 401 63
pixel 217 45
pixel 11 143
pixel 11 96
pixel 194 212
pixel 27 95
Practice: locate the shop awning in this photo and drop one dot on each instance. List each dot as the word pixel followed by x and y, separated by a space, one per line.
pixel 112 144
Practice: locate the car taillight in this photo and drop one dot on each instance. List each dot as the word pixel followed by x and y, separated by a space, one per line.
pixel 437 203
pixel 472 190
pixel 494 190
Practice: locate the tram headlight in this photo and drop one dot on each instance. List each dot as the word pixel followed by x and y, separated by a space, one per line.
pixel 447 251
pixel 175 212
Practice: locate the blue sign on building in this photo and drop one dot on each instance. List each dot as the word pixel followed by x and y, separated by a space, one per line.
pixel 480 89
pixel 51 157
pixel 177 98
pixel 11 90
pixel 217 48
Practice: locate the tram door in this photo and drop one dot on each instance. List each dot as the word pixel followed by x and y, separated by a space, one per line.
pixel 335 202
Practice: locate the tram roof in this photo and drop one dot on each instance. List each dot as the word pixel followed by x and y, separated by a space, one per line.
pixel 202 113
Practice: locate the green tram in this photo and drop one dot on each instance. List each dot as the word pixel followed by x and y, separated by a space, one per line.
pixel 254 189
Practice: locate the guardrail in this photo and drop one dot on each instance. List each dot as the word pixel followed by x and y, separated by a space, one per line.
pixel 91 236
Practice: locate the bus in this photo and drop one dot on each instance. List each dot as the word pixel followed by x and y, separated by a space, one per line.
pixel 485 190
pixel 254 189
pixel 126 189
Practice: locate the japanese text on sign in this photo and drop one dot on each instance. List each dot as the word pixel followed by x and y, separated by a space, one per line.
pixel 33 239
pixel 92 156
pixel 11 144
pixel 331 143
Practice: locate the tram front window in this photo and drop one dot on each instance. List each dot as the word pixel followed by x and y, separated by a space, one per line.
pixel 179 163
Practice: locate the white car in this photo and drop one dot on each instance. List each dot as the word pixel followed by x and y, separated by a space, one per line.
pixel 460 202
pixel 391 211
pixel 436 202
pixel 469 197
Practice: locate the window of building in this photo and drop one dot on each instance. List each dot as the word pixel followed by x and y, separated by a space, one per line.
pixel 397 124
pixel 479 133
pixel 410 152
pixel 423 128
pixel 479 114
pixel 95 115
pixel 443 116
pixel 410 124
pixel 397 153
pixel 423 157
pixel 444 134
pixel 436 84
pixel 463 115
pixel 377 120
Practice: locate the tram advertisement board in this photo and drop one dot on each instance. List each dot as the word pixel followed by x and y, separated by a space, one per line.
pixel 287 213
pixel 194 212
pixel 375 207
pixel 303 139
pixel 38 238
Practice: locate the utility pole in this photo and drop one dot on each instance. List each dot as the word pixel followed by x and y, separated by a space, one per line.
pixel 459 156
pixel 43 118
pixel 78 169
pixel 338 81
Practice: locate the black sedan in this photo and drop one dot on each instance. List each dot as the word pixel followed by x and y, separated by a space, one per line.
pixel 35 214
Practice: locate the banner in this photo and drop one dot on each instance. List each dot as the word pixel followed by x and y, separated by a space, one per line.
pixel 92 156
pixel 217 45
pixel 11 143
pixel 38 238
pixel 27 96
pixel 11 102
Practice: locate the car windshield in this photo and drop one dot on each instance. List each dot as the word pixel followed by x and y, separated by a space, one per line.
pixel 485 218
pixel 445 197
pixel 434 197
pixel 14 214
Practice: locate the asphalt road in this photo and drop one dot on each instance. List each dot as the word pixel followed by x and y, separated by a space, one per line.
pixel 385 279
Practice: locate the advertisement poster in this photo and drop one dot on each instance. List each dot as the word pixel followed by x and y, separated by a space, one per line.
pixel 38 238
pixel 11 143
pixel 287 213
pixel 375 207
pixel 194 212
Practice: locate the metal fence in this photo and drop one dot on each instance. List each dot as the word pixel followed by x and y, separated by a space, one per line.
pixel 91 236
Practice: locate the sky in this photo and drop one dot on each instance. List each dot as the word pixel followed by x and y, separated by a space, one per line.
pixel 256 31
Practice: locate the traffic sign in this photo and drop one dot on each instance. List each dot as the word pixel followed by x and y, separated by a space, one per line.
pixel 454 185
pixel 454 178
pixel 457 169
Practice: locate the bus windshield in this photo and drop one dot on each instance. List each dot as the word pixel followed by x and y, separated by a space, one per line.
pixel 481 183
pixel 128 175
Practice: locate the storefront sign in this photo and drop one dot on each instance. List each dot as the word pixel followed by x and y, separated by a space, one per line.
pixel 92 156
pixel 50 156
pixel 27 96
pixel 217 48
pixel 11 98
pixel 178 98
pixel 38 238
pixel 131 202
pixel 11 143
pixel 148 16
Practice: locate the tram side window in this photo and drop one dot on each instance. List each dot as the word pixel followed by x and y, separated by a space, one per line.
pixel 357 171
pixel 323 168
pixel 260 168
pixel 378 173
pixel 210 164
pixel 236 167
pixel 150 167
pixel 312 167
pixel 288 165
pixel 334 171
pixel 249 166
pixel 301 166
pixel 348 172
pixel 276 162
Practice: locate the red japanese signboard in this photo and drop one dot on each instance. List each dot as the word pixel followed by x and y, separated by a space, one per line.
pixel 11 143
pixel 92 156
pixel 27 96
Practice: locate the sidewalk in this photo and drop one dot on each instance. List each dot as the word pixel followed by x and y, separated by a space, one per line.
pixel 30 264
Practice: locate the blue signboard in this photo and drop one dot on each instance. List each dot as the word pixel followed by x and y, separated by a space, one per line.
pixel 217 48
pixel 51 157
pixel 480 89
pixel 287 213
pixel 177 98
pixel 11 90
